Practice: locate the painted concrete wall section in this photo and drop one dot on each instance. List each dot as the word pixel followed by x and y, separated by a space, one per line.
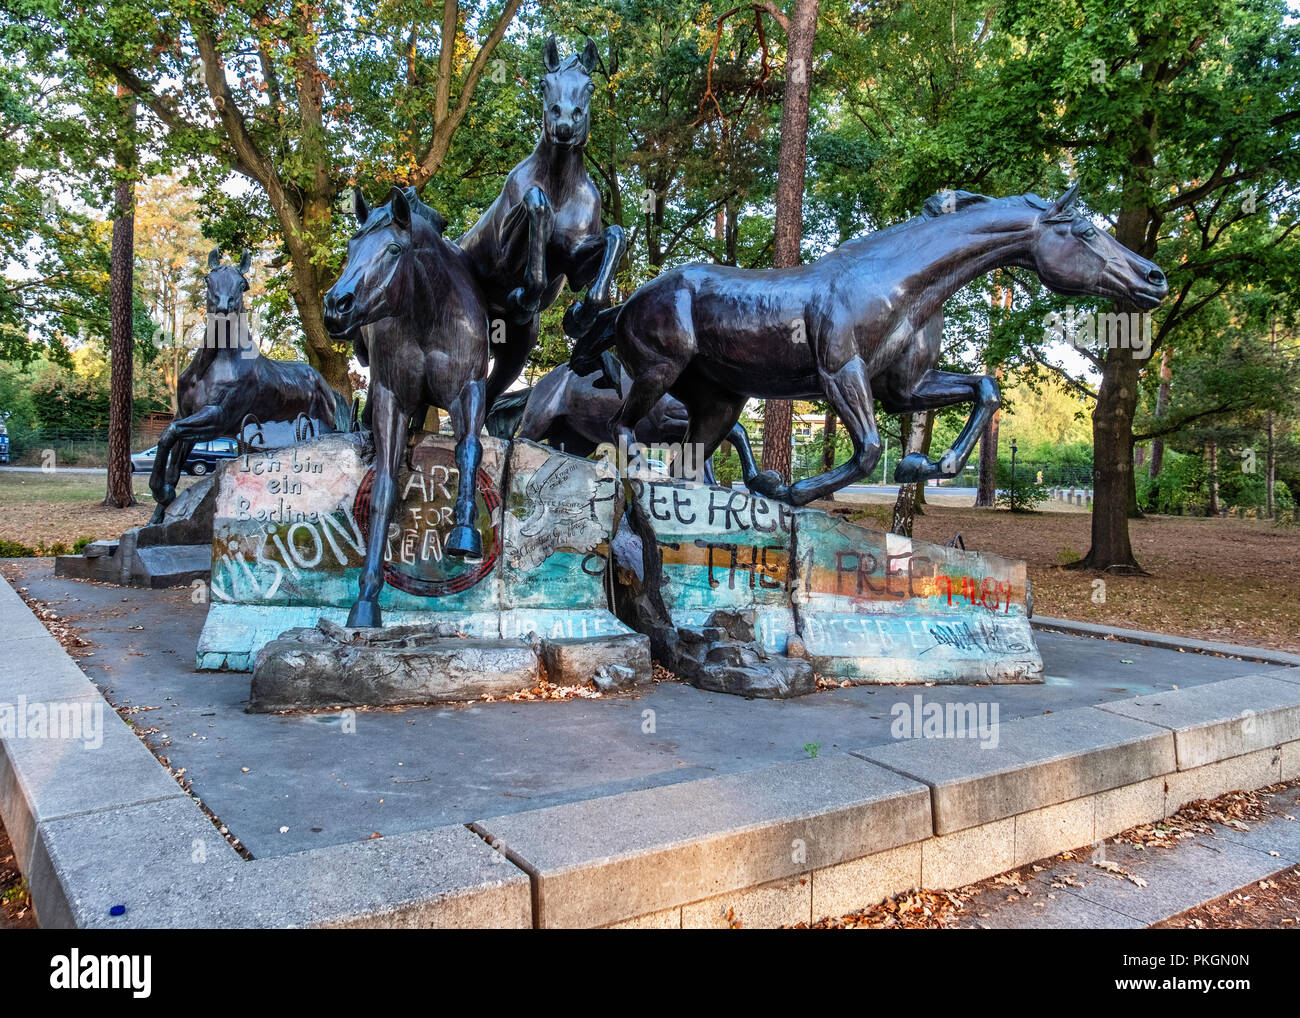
pixel 868 606
pixel 291 527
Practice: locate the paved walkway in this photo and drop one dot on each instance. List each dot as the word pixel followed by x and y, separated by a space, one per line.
pixel 416 768
pixel 1168 880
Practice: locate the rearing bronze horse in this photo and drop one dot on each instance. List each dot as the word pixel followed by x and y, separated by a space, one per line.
pixel 545 226
pixel 229 379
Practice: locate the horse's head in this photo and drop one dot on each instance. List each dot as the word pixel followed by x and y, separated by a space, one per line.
pixel 382 277
pixel 1072 256
pixel 226 284
pixel 566 95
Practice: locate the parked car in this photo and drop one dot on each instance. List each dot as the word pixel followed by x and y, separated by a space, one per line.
pixel 203 458
pixel 4 443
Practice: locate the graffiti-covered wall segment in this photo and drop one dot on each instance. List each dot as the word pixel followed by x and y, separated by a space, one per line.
pixel 292 526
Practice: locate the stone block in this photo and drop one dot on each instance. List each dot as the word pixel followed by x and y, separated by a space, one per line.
pixel 1037 761
pixel 406 665
pixel 1045 832
pixel 768 906
pixel 1246 772
pixel 955 860
pixel 573 662
pixel 1218 720
pixel 1118 809
pixel 605 860
pixel 859 883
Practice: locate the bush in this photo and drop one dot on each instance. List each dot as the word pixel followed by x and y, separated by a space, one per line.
pixel 1021 494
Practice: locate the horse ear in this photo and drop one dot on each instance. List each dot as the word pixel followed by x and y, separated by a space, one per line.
pixel 551 55
pixel 245 262
pixel 400 208
pixel 214 259
pixel 1063 206
pixel 359 207
pixel 589 56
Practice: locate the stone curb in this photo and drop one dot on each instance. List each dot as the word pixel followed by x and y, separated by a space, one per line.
pixel 97 827
pixel 604 860
pixel 1167 641
pixel 93 829
pixel 1036 762
pixel 1220 720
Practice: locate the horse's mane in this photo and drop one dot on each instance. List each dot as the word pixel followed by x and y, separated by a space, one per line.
pixel 943 203
pixel 383 215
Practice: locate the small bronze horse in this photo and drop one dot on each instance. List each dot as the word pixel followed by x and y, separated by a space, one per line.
pixel 409 302
pixel 545 226
pixel 228 380
pixel 863 321
pixel 572 412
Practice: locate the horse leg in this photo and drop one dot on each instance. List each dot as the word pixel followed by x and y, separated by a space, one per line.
pixel 545 403
pixel 525 301
pixel 739 439
pixel 388 426
pixel 509 358
pixel 174 446
pixel 849 392
pixel 710 416
pixel 940 389
pixel 467 412
pixel 648 389
pixel 580 316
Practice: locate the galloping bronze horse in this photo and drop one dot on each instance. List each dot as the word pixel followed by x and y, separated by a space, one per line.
pixel 572 412
pixel 410 304
pixel 863 321
pixel 545 226
pixel 229 379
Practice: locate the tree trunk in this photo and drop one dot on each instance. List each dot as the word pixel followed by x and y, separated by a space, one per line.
pixel 828 443
pixel 121 333
pixel 986 495
pixel 924 450
pixel 1112 443
pixel 1212 465
pixel 1270 454
pixel 1162 402
pixel 792 161
pixel 913 427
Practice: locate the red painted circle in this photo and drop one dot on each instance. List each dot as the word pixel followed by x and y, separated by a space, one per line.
pixel 462 575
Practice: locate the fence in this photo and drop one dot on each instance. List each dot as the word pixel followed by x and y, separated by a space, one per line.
pixel 70 448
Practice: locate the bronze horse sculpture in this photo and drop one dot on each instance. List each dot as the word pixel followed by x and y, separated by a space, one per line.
pixel 862 322
pixel 572 412
pixel 545 226
pixel 229 380
pixel 408 300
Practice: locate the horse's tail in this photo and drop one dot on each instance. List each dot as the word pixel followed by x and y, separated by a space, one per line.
pixel 600 337
pixel 506 413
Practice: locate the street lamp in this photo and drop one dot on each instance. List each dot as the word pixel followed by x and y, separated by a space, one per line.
pixel 1013 475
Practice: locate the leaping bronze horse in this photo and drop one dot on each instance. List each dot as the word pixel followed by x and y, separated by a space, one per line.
pixel 860 323
pixel 229 379
pixel 545 226
pixel 409 303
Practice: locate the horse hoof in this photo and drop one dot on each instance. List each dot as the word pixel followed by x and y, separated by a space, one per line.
pixel 464 542
pixel 768 484
pixel 913 469
pixel 365 615
pixel 520 309
pixel 159 512
pixel 578 320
